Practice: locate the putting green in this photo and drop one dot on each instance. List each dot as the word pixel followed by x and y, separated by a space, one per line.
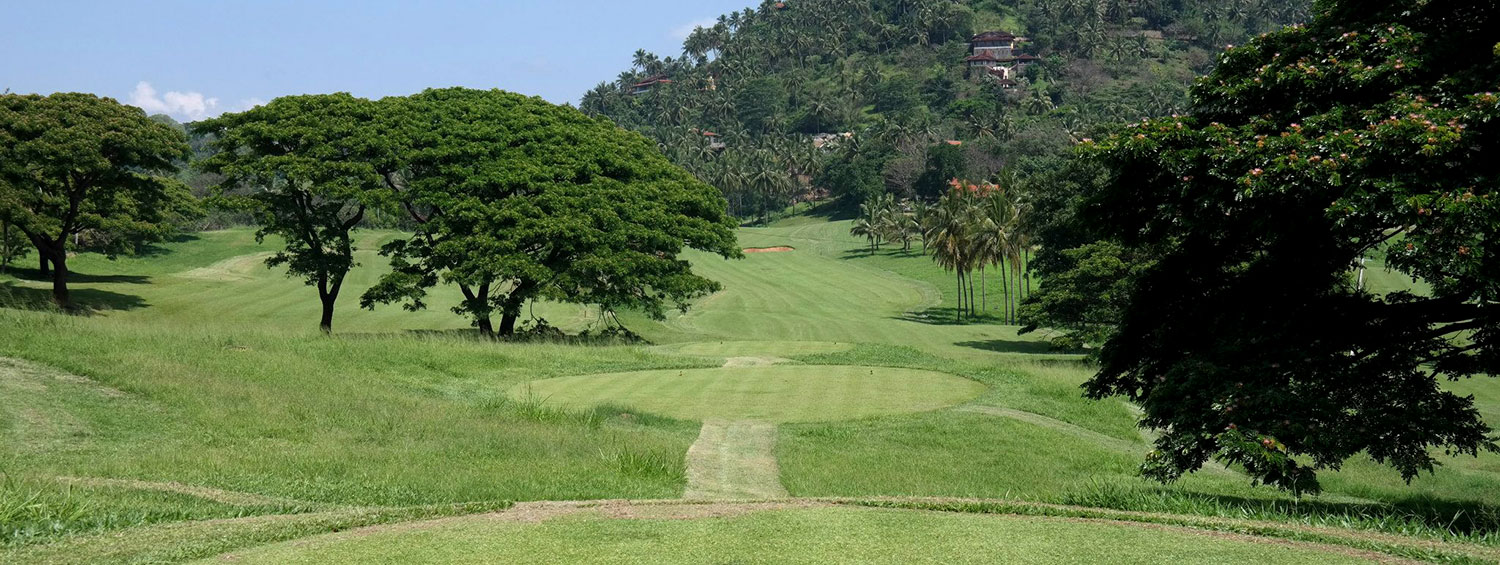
pixel 814 535
pixel 755 348
pixel 785 393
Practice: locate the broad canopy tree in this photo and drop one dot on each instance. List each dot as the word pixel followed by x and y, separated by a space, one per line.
pixel 74 163
pixel 316 164
pixel 516 199
pixel 1372 131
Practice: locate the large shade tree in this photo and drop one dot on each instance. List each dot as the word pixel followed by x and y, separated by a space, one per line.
pixel 74 164
pixel 308 169
pixel 1372 131
pixel 517 199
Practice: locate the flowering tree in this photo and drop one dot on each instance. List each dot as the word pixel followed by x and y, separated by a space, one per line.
pixel 1372 131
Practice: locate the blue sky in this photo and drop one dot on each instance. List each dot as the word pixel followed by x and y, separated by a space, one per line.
pixel 193 59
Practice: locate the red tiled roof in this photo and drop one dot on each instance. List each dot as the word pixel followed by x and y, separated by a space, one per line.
pixel 998 59
pixel 993 36
pixel 652 82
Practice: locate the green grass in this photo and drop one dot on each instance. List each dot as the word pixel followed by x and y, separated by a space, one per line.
pixel 819 535
pixel 787 393
pixel 725 349
pixel 388 421
pixel 201 371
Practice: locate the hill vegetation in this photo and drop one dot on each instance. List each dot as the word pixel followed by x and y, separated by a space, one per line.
pixel 884 86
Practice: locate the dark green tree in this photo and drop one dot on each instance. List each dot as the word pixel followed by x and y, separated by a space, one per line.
pixel 73 164
pixel 1371 131
pixel 945 163
pixel 315 163
pixel 13 245
pixel 516 199
pixel 758 103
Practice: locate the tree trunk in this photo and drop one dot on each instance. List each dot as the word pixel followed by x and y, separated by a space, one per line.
pixel 42 263
pixel 972 311
pixel 1016 303
pixel 486 328
pixel 958 312
pixel 1027 266
pixel 1005 289
pixel 984 291
pixel 60 280
pixel 508 324
pixel 510 310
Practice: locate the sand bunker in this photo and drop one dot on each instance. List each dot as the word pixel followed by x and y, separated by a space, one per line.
pixel 769 249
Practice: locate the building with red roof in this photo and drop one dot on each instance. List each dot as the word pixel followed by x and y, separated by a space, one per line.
pixel 649 84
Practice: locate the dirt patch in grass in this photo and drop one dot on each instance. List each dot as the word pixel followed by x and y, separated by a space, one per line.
pixel 753 361
pixel 769 249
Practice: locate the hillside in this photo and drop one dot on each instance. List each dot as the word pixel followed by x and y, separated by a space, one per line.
pixel 793 101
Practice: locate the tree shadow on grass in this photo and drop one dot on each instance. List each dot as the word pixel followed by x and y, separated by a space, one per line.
pixel 1464 518
pixel 897 253
pixel 79 278
pixel 86 301
pixel 472 334
pixel 158 250
pixel 1013 346
pixel 949 316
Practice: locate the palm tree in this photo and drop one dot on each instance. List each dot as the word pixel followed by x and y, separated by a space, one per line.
pixel 863 228
pixel 996 240
pixel 951 241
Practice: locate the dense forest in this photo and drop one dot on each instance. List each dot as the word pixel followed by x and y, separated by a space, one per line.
pixel 796 101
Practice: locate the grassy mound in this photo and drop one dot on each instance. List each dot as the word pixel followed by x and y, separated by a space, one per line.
pixel 775 394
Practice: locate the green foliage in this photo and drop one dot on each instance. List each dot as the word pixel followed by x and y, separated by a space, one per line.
pixel 1085 295
pixel 945 162
pixel 318 163
pixel 13 245
pixel 76 164
pixel 517 199
pixel 759 105
pixel 891 75
pixel 1369 131
pixel 852 176
pixel 897 94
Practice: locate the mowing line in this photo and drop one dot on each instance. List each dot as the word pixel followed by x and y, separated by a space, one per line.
pixel 734 460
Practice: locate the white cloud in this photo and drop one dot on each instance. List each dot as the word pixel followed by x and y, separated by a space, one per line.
pixel 189 106
pixel 681 32
pixel 249 103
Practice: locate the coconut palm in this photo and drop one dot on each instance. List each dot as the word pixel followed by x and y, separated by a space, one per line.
pixel 867 225
pixel 950 238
